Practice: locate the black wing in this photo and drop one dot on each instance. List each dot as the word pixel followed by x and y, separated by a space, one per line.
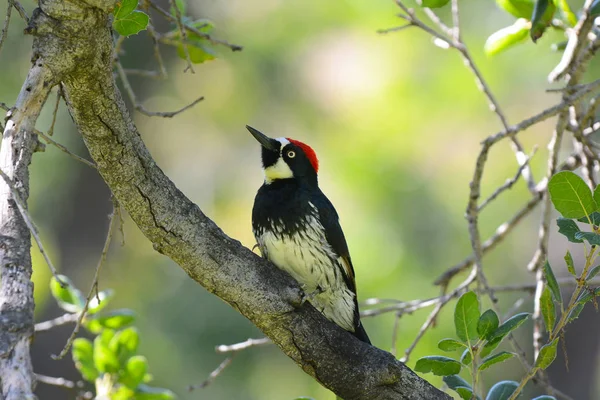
pixel 335 237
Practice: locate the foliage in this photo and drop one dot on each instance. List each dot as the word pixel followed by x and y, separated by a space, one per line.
pixel 109 361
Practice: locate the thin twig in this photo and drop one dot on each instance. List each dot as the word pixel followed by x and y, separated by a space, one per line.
pixel 169 17
pixel 183 32
pixel 214 374
pixel 223 348
pixel 30 224
pixel 94 287
pixel 62 148
pixel 19 9
pixel 138 106
pixel 58 321
pixel 64 383
pixel 4 33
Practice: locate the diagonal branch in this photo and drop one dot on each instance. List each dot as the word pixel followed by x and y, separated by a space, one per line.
pixel 178 229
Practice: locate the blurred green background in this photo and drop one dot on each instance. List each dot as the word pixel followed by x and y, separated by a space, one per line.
pixel 396 122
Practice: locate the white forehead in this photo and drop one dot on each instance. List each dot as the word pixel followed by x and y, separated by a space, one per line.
pixel 283 141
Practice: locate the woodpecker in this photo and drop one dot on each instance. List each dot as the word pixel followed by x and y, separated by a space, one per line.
pixel 297 229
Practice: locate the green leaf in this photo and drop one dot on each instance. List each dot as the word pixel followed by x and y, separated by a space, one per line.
pixel 488 323
pixel 588 295
pixel 574 314
pixel 547 355
pixel 144 392
pixel 69 298
pixel 454 381
pixel 570 264
pixel 566 12
pixel 105 360
pixel 568 228
pixel 466 317
pixel 83 358
pixel 450 345
pixel 465 393
pixel 124 8
pixel 508 326
pixel 594 271
pixel 542 15
pixel 502 390
pixel 199 51
pixel 434 3
pixel 122 393
pixel 594 217
pixel 98 305
pixel 518 8
pixel 116 319
pixel 134 372
pixel 552 282
pixel 466 357
pixel 591 237
pixel 570 195
pixel 495 359
pixel 438 365
pixel 132 23
pixel 548 310
pixel 508 37
pixel 125 343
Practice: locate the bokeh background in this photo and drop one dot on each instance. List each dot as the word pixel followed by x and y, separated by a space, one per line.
pixel 396 122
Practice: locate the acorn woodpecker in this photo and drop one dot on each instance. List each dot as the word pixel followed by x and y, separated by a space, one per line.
pixel 298 230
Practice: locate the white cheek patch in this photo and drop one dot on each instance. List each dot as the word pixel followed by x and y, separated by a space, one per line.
pixel 280 170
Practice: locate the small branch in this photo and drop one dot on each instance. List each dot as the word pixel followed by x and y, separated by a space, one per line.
pixel 19 9
pixel 138 106
pixel 94 287
pixel 213 375
pixel 4 32
pixel 242 345
pixel 65 383
pixel 62 148
pixel 30 225
pixel 58 321
pixel 508 184
pixel 183 36
pixel 169 17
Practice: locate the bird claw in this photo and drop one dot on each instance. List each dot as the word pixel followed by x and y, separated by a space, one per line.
pixel 310 296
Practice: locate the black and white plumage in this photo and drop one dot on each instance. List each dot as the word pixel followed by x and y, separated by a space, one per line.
pixel 298 229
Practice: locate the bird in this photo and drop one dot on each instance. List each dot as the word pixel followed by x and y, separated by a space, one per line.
pixel 297 228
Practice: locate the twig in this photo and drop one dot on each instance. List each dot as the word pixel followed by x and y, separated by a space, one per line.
pixel 64 383
pixel 19 9
pixel 183 36
pixel 242 345
pixel 64 149
pixel 138 106
pixel 31 226
pixel 213 375
pixel 169 17
pixel 94 287
pixel 6 23
pixel 58 321
pixel 508 184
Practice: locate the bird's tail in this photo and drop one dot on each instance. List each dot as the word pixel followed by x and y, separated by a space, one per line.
pixel 361 334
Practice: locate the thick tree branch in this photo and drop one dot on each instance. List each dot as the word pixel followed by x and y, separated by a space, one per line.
pixel 16 290
pixel 78 49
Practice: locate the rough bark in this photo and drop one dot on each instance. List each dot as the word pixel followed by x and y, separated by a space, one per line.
pixel 74 40
pixel 16 288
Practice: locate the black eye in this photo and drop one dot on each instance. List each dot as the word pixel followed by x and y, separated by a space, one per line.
pixel 291 154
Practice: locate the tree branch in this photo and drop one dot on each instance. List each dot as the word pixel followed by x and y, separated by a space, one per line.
pixel 81 57
pixel 16 290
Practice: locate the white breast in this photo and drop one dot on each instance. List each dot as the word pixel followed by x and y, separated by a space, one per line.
pixel 309 258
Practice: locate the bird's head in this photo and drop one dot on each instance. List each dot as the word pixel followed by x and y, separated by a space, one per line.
pixel 285 158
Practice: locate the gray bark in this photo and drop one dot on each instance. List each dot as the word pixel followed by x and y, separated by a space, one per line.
pixel 16 289
pixel 74 40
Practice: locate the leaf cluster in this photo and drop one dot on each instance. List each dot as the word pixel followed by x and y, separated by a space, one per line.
pixel 110 361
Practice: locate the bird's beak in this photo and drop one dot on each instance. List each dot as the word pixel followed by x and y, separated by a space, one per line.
pixel 265 141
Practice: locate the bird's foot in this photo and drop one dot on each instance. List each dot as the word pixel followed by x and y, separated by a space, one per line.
pixel 310 296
